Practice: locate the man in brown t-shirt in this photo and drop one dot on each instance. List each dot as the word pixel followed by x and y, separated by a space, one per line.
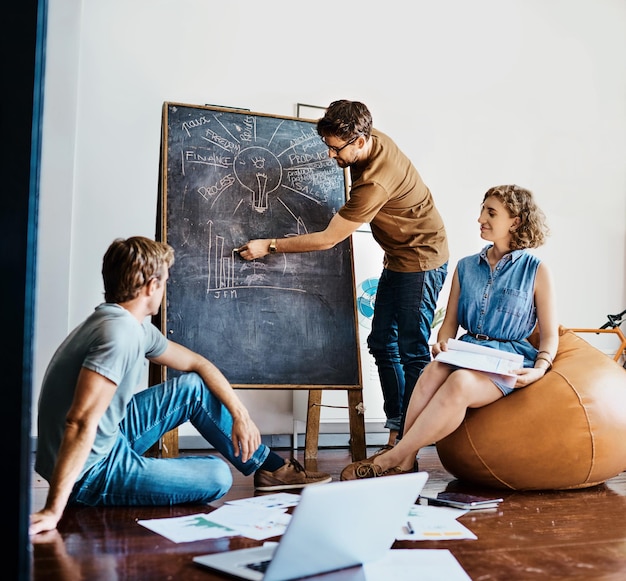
pixel 388 193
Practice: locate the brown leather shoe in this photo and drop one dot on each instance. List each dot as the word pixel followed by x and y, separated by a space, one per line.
pixel 367 469
pixel 386 448
pixel 291 475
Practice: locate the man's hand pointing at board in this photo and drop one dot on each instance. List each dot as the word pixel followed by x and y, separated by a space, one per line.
pixel 254 249
pixel 337 230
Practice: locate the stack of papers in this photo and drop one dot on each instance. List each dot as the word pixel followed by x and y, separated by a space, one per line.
pixel 481 358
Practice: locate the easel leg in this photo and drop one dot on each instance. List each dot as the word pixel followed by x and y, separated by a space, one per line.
pixel 311 437
pixel 357 424
pixel 166 447
pixel 169 444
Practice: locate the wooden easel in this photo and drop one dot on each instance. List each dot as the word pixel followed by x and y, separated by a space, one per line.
pixel 289 322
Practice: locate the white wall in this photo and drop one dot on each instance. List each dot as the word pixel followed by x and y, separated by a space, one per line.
pixel 476 93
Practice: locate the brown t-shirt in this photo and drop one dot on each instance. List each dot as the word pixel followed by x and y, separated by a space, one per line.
pixel 388 192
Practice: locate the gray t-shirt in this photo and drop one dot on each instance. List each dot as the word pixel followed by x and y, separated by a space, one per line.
pixel 110 342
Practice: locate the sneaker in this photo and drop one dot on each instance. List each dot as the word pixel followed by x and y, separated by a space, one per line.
pixel 291 475
pixel 366 469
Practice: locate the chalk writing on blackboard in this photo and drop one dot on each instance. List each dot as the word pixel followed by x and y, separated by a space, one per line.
pixel 230 176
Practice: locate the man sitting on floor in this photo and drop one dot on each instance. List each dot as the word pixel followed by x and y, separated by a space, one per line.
pixel 94 428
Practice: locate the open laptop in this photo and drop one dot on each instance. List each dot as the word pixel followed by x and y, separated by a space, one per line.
pixel 334 526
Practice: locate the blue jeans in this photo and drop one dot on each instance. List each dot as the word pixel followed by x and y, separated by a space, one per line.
pixel 125 477
pixel 404 309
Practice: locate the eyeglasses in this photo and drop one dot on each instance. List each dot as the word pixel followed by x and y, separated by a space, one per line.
pixel 338 149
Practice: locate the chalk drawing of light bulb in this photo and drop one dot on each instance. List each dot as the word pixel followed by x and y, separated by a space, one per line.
pixel 260 172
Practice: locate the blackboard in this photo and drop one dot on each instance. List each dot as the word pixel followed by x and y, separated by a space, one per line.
pixel 228 176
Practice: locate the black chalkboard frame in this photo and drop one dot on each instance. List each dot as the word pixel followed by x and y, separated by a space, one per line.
pixel 204 114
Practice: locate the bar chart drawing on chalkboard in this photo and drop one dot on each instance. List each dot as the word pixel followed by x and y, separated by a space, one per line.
pixel 228 176
pixel 222 274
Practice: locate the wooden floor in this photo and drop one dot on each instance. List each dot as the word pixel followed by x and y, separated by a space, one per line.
pixel 534 535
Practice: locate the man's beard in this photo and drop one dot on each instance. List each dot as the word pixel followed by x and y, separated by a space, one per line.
pixel 344 163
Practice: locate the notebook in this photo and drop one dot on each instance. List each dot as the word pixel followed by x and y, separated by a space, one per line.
pixel 334 526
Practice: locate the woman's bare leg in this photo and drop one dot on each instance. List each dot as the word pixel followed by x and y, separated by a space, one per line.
pixel 432 378
pixel 442 413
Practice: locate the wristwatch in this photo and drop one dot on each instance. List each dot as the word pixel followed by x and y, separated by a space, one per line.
pixel 273 246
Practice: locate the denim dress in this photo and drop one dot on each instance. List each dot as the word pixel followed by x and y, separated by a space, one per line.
pixel 496 307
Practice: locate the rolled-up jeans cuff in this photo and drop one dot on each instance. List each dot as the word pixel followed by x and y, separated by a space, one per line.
pixel 393 424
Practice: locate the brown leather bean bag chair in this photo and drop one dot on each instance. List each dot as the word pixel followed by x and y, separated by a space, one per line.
pixel 565 431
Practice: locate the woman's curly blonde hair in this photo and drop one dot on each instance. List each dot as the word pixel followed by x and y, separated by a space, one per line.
pixel 519 202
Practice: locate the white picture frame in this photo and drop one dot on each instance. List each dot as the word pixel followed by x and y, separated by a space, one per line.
pixel 312 112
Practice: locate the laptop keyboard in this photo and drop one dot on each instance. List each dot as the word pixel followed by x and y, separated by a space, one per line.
pixel 260 566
